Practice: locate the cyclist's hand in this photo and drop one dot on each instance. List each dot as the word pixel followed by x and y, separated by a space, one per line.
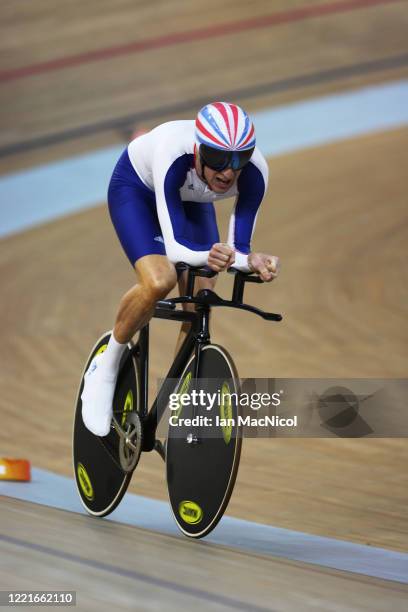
pixel 221 257
pixel 266 266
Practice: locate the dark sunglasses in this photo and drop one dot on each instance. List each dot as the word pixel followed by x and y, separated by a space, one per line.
pixel 219 160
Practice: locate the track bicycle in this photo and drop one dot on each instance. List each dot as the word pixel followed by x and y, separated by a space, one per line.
pixel 201 459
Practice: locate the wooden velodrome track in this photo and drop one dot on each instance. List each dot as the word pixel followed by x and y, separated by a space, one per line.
pixel 336 215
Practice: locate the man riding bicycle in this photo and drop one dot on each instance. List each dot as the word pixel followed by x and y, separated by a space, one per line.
pixel 160 199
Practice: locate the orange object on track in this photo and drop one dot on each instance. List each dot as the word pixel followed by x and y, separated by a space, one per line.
pixel 15 469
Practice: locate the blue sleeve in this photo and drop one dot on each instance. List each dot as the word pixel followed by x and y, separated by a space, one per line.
pixel 169 176
pixel 174 180
pixel 251 189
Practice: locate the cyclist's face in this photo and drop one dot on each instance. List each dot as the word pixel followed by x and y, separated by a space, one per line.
pixel 220 181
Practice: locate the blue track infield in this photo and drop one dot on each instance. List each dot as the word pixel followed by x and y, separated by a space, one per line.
pixel 44 193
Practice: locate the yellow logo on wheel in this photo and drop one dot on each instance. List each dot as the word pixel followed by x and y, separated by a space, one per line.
pixel 128 407
pixel 101 349
pixel 185 385
pixel 190 512
pixel 226 412
pixel 85 482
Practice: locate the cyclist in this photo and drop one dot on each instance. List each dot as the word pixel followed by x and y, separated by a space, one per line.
pixel 160 199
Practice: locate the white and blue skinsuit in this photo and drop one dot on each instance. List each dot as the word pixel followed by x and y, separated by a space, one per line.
pixel 159 205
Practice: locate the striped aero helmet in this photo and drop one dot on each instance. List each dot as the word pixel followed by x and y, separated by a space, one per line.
pixel 225 136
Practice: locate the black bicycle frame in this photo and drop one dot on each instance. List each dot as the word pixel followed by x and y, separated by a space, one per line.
pixel 197 337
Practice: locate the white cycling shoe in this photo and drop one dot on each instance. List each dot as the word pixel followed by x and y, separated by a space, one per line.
pixel 97 398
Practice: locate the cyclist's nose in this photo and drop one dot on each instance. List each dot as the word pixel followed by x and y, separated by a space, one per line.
pixel 228 173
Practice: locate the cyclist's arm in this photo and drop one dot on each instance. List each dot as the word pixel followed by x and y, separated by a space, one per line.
pixel 252 185
pixel 169 176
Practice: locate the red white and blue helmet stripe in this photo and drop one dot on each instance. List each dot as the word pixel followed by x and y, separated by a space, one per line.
pixel 225 126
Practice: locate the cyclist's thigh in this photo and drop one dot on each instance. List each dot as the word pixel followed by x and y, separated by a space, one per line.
pixel 133 214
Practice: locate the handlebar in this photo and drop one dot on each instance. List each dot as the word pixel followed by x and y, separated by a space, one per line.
pixel 206 297
pixel 195 270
